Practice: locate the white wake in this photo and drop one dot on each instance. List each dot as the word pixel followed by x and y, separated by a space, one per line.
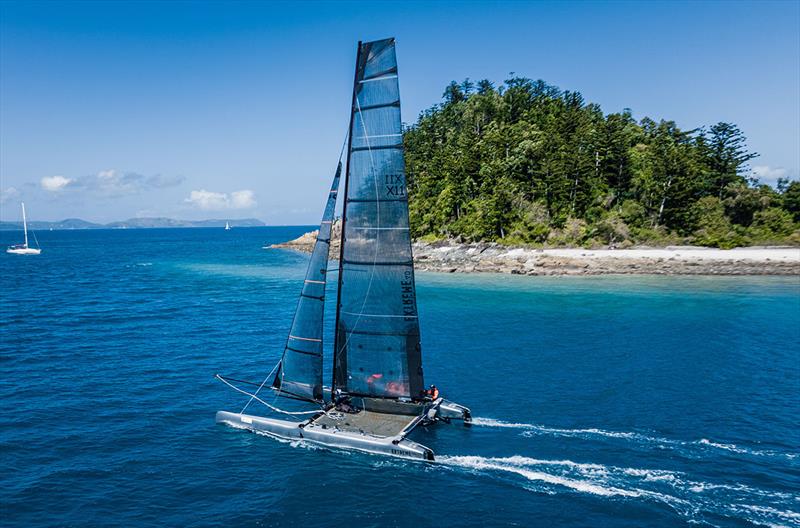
pixel 690 498
pixel 643 439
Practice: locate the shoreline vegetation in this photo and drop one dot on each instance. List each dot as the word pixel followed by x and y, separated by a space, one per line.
pixel 528 163
pixel 450 256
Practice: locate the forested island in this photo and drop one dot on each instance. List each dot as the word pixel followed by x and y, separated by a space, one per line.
pixel 528 179
pixel 528 163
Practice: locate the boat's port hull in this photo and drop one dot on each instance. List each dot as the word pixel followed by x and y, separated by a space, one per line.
pixel 331 437
pixel 24 251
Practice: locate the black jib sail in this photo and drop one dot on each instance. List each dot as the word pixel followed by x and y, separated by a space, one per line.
pixel 300 371
pixel 377 347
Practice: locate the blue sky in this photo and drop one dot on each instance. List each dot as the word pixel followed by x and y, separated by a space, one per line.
pixel 211 110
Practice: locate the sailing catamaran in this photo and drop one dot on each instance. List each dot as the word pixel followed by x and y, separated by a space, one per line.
pixel 378 393
pixel 227 226
pixel 23 249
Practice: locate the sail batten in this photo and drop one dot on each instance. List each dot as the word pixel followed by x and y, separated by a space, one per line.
pixel 377 347
pixel 300 371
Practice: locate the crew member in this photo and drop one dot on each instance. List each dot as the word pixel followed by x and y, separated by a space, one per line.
pixel 433 392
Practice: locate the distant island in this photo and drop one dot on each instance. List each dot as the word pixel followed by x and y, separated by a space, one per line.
pixel 131 223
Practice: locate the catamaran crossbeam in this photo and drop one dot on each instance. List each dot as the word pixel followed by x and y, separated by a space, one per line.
pixel 378 426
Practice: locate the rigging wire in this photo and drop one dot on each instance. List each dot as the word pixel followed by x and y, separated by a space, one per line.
pixel 377 232
pixel 344 143
pixel 36 239
pixel 254 396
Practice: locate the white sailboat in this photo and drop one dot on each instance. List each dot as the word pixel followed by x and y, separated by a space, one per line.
pixel 23 249
pixel 227 226
pixel 378 395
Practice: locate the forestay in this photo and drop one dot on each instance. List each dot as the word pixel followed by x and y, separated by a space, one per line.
pixel 377 349
pixel 300 371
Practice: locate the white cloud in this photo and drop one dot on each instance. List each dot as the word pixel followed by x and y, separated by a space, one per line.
pixel 8 194
pixel 768 174
pixel 771 175
pixel 217 201
pixel 111 182
pixel 208 200
pixel 243 199
pixel 158 181
pixel 115 183
pixel 55 183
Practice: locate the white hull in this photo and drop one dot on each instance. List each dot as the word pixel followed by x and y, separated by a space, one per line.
pixel 24 251
pixel 380 428
pixel 392 446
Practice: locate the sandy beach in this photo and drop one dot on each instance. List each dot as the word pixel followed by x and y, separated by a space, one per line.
pixel 679 260
pixel 453 257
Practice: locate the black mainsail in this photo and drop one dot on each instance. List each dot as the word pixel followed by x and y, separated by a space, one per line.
pixel 377 344
pixel 299 373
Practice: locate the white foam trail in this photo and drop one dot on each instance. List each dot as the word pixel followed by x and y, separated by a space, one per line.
pixel 491 422
pixel 744 450
pixel 512 465
pixel 786 515
pixel 582 469
pixel 690 499
pixel 535 429
pixel 768 516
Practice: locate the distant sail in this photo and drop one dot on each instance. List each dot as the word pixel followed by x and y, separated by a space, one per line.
pixel 24 248
pixel 377 350
pixel 300 371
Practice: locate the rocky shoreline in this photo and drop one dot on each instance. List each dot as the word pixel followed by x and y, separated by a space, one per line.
pixel 453 257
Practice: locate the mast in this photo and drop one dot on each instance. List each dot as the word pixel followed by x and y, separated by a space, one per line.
pixel 377 346
pixel 344 219
pixel 24 224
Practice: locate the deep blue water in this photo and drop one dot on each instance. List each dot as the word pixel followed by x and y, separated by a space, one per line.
pixel 613 401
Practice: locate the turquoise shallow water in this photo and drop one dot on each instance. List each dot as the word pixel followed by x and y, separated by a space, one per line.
pixel 611 401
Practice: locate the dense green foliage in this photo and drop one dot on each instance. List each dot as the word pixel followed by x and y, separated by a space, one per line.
pixel 529 163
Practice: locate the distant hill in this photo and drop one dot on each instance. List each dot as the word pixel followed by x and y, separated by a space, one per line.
pixel 131 223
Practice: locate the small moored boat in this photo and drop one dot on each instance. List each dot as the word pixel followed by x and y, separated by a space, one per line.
pixel 24 249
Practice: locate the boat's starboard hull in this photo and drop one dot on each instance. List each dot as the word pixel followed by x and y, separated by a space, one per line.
pixel 23 251
pixel 392 446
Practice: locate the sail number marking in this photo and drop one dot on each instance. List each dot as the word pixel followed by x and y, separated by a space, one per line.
pixel 395 185
pixel 407 287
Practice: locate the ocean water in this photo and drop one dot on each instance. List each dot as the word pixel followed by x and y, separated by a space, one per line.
pixel 602 401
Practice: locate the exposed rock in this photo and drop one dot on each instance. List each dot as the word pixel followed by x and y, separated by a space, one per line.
pixel 305 242
pixel 449 256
